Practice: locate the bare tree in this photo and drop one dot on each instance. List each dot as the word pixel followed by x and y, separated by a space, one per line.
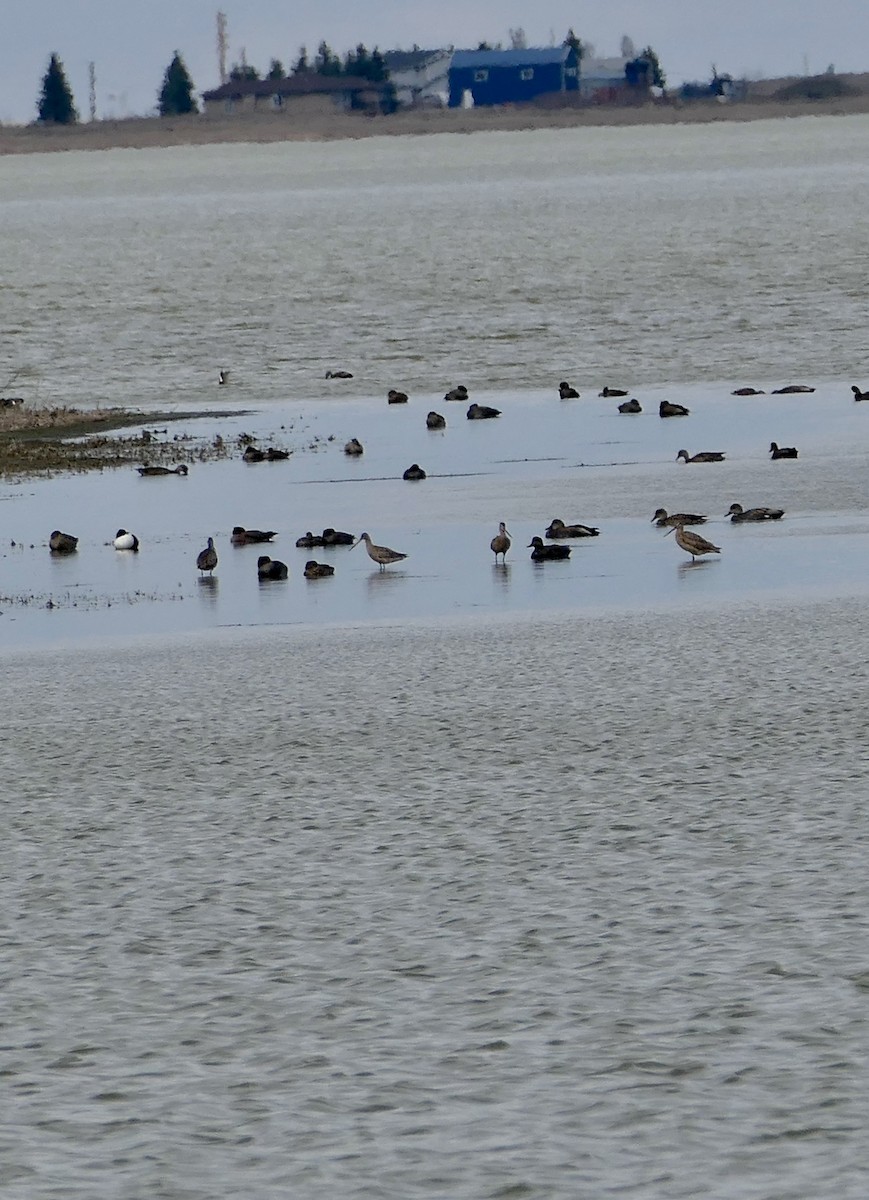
pixel 518 40
pixel 628 48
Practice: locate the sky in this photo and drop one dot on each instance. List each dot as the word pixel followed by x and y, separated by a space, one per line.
pixel 131 43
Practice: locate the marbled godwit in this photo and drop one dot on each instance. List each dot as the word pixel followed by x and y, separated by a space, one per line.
pixel 566 392
pixel 692 543
pixel 124 540
pixel 353 447
pixel 414 472
pixel 457 393
pixel 244 537
pixel 62 543
pixel 434 420
pixel 271 568
pixel 315 570
pixel 668 409
pixel 558 529
pixel 179 470
pixel 382 555
pixel 482 412
pixel 703 456
pixel 608 391
pixel 737 513
pixel 631 406
pixel 663 519
pixel 776 451
pixel 540 552
pixel 501 543
pixel 206 560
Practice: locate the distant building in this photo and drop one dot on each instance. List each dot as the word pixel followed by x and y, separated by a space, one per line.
pixel 603 80
pixel 308 92
pixel 420 77
pixel 483 77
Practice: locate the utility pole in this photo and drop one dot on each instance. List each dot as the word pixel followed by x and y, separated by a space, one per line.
pixel 221 46
pixel 92 93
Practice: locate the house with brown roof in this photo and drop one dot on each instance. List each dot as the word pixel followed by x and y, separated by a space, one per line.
pixel 305 93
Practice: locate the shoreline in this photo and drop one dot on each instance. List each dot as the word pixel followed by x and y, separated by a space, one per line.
pixel 138 133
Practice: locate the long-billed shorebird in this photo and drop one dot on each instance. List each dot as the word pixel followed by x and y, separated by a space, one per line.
pixel 703 456
pixel 737 513
pixel 206 560
pixel 662 518
pixel 382 555
pixel 501 543
pixel 692 543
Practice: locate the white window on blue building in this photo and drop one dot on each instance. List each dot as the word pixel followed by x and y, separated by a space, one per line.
pixel 481 76
pixel 526 73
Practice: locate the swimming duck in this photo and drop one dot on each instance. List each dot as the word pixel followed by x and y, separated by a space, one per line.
pixel 608 391
pixel 693 543
pixel 253 455
pixel 566 392
pixel 662 519
pixel 382 555
pixel 748 391
pixel 243 537
pixel 791 389
pixel 336 537
pixel 309 541
pixel 273 455
pixel 703 456
pixel 62 543
pixel 414 471
pixel 501 543
pixel 270 568
pixel 540 552
pixel 315 570
pixel 776 451
pixel 737 513
pixel 179 470
pixel 482 412
pixel 339 374
pixel 858 395
pixel 631 406
pixel 457 393
pixel 434 420
pixel 124 540
pixel 206 560
pixel 353 447
pixel 558 529
pixel 394 397
pixel 667 409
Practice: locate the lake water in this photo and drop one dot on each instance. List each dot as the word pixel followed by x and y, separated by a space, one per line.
pixel 455 880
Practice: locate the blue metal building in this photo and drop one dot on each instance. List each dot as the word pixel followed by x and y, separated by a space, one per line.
pixel 511 76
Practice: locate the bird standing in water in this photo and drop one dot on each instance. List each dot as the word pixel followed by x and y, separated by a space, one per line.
pixel 206 560
pixel 382 555
pixel 692 543
pixel 501 543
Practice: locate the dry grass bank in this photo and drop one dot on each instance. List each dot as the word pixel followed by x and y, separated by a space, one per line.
pixel 144 132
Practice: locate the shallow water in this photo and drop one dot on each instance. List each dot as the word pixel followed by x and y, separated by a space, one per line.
pixel 452 880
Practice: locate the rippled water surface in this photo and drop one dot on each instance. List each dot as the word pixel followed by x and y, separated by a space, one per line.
pixel 454 880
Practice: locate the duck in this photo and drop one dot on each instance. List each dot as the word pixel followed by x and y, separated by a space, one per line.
pixel 309 541
pixel 858 395
pixel 737 514
pixel 434 420
pixel 339 374
pixel 252 454
pixel 382 555
pixel 608 391
pixel 748 391
pixel 206 560
pixel 315 570
pixel 354 447
pixel 273 455
pixel 558 529
pixel 631 406
pixel 776 451
pixel 394 397
pixel 693 543
pixel 271 568
pixel 662 518
pixel 501 543
pixel 540 552
pixel 792 389
pixel 124 540
pixel 482 412
pixel 457 393
pixel 179 470
pixel 336 537
pixel 667 409
pixel 222 377
pixel 244 537
pixel 703 456
pixel 62 543
pixel 566 392
pixel 414 472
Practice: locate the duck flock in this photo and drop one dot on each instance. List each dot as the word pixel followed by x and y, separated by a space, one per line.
pixel 559 533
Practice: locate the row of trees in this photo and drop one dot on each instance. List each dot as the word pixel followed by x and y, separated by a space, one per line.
pixel 56 104
pixel 361 63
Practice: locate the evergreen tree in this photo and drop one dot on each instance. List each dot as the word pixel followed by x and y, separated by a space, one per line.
pixel 326 63
pixel 657 78
pixel 302 66
pixel 56 103
pixel 276 70
pixel 176 94
pixel 575 44
pixel 243 71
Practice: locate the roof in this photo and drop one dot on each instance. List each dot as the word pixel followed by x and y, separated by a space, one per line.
pixel 534 57
pixel 306 83
pixel 412 60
